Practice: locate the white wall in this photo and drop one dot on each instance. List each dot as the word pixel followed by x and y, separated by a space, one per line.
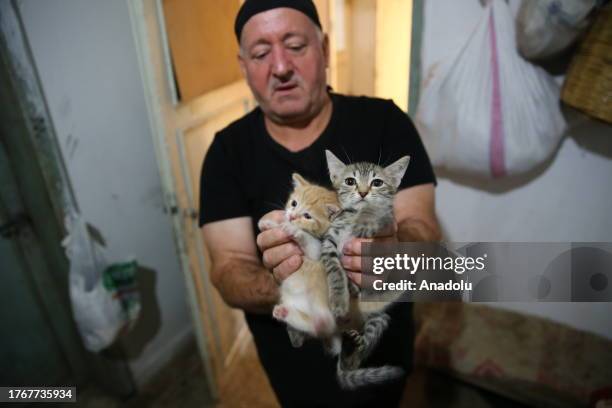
pixel 86 58
pixel 569 200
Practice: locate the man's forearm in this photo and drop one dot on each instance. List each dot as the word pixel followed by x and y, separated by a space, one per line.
pixel 246 285
pixel 416 230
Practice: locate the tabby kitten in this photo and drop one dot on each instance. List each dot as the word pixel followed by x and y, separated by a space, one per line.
pixel 366 193
pixel 304 294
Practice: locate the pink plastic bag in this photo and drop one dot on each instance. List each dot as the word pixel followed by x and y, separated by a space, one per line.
pixel 486 111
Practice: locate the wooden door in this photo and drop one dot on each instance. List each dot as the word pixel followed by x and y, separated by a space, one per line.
pixel 362 47
pixel 193 137
pixel 202 44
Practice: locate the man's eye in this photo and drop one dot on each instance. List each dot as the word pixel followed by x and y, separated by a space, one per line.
pixel 350 181
pixel 294 203
pixel 296 47
pixel 377 183
pixel 259 55
pixel 307 216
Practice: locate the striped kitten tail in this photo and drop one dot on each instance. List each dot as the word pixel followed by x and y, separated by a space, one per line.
pixel 351 379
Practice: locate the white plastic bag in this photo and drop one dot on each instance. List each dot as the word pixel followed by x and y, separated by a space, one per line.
pixel 97 310
pixel 487 112
pixel 547 27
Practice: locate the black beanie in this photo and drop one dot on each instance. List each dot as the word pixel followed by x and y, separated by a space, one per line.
pixel 252 7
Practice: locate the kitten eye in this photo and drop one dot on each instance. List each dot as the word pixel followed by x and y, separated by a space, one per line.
pixel 307 216
pixel 294 203
pixel 350 181
pixel 377 183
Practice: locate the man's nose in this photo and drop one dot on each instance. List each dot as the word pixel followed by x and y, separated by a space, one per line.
pixel 281 64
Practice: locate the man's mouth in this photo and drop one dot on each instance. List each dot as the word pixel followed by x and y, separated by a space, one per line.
pixel 285 87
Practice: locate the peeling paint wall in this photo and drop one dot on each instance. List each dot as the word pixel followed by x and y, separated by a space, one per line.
pixel 86 59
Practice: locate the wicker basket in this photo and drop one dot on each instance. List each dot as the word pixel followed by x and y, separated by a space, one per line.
pixel 588 84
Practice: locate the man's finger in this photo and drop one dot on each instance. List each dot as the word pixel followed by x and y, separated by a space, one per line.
pixel 271 238
pixel 287 267
pixel 354 247
pixel 277 216
pixel 351 263
pixel 274 256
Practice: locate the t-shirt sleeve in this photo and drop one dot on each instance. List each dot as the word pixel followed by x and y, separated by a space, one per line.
pixel 221 192
pixel 403 138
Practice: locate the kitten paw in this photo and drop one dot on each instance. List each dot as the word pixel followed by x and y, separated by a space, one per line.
pixel 350 355
pixel 338 295
pixel 295 337
pixel 363 231
pixel 290 229
pixel 280 313
pixel 356 339
pixel 354 289
pixel 267 224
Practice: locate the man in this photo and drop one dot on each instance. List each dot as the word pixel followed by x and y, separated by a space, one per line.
pixel 247 173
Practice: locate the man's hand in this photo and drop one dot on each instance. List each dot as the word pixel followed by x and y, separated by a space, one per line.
pixel 280 254
pixel 351 261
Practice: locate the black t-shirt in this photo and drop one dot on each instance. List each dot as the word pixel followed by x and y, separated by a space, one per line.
pixel 247 173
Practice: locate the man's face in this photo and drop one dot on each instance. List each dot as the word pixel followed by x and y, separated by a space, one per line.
pixel 284 59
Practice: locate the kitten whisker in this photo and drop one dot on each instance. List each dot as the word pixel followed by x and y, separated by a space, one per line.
pixel 387 160
pixel 276 206
pixel 347 156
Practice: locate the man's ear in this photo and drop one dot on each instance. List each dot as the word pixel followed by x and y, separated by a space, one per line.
pixel 242 64
pixel 325 45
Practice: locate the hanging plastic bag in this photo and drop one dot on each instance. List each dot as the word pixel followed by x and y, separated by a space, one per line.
pixel 104 298
pixel 547 27
pixel 487 112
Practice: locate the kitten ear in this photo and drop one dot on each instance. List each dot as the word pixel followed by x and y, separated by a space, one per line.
pixel 397 169
pixel 298 180
pixel 334 165
pixel 332 210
